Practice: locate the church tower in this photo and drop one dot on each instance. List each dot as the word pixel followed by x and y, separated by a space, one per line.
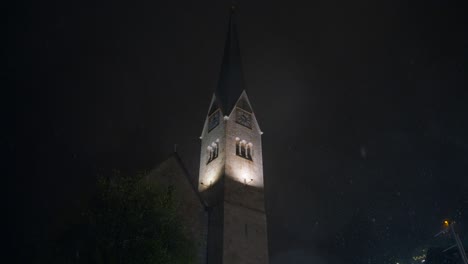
pixel 231 170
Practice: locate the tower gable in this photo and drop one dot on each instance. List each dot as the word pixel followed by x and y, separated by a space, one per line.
pixel 214 106
pixel 243 105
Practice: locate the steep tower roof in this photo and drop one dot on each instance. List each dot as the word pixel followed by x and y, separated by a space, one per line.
pixel 231 80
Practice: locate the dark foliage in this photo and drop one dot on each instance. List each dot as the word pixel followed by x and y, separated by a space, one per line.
pixel 126 222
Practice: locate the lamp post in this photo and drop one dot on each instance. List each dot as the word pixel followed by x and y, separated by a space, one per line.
pixel 449 227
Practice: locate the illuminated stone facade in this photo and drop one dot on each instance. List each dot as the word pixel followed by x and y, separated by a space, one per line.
pixel 231 168
pixel 232 185
pixel 232 227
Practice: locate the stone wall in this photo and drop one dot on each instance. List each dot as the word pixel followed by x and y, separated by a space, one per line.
pixel 245 235
pixel 233 188
pixel 245 226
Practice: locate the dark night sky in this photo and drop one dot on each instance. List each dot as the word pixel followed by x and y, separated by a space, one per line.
pixel 363 104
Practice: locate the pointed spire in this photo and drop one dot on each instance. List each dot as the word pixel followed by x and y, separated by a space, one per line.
pixel 231 81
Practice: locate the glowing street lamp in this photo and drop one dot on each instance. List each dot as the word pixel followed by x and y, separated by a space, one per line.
pixel 449 226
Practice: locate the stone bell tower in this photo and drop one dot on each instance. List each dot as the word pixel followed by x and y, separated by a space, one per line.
pixel 231 170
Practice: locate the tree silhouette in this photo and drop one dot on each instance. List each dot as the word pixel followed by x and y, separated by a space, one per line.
pixel 126 222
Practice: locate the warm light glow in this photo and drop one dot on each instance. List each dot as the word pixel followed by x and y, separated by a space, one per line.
pixel 245 172
pixel 211 177
pixel 446 222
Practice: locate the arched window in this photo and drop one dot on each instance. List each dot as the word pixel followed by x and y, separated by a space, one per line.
pixel 244 149
pixel 209 150
pixel 249 151
pixel 243 144
pixel 212 151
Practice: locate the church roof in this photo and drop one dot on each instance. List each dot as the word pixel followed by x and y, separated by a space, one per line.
pixel 231 81
pixel 172 170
